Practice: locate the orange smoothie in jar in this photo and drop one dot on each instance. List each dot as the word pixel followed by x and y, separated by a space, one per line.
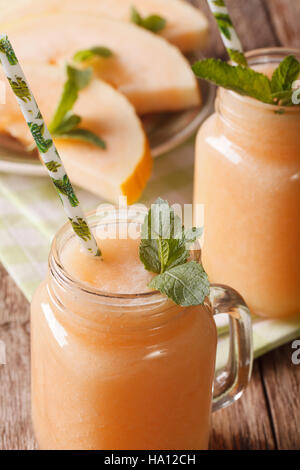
pixel 247 175
pixel 115 366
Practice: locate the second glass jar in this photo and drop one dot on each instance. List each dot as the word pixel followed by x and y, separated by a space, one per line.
pixel 247 177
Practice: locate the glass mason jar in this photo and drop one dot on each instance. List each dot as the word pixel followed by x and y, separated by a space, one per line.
pixel 247 176
pixel 112 371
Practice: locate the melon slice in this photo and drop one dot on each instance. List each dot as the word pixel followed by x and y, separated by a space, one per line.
pixel 152 73
pixel 186 28
pixel 122 169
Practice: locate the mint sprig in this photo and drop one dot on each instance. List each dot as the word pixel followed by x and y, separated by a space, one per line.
pixel 64 123
pixel 164 250
pixel 285 74
pixel 154 23
pixel 97 51
pixel 242 80
pixel 282 80
pixel 246 81
pixel 186 284
pixel 83 135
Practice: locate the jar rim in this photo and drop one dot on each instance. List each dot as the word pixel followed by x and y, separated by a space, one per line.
pixel 268 52
pixel 67 280
pixel 109 214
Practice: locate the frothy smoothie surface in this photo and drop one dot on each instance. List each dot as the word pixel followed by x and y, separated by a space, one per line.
pixel 120 271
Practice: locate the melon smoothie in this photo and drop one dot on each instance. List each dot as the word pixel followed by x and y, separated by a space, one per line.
pixel 116 365
pixel 247 169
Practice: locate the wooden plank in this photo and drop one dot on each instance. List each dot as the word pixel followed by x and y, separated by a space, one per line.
pixel 251 20
pixel 285 16
pixel 244 425
pixel 13 305
pixel 282 382
pixel 15 421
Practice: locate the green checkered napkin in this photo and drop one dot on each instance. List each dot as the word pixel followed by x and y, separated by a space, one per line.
pixel 30 214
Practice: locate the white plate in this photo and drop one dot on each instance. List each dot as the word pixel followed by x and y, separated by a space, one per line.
pixel 165 131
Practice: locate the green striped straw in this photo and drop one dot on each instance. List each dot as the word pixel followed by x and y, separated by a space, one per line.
pixel 46 147
pixel 229 35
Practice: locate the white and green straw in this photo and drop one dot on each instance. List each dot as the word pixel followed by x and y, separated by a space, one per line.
pixel 229 35
pixel 45 145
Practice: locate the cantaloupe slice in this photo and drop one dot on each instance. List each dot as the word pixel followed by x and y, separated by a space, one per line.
pixel 186 26
pixel 123 168
pixel 152 73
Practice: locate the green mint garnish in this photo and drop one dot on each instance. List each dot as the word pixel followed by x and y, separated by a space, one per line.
pixel 83 135
pixel 64 123
pixel 76 81
pixel 282 80
pixel 285 74
pixel 186 284
pixel 246 81
pixel 243 80
pixel 154 23
pixel 97 51
pixel 164 250
pixel 69 122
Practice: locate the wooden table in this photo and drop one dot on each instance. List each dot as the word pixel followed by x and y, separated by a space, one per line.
pixel 268 414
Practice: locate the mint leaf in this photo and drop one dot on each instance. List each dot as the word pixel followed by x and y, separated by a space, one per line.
pixel 178 253
pixel 97 51
pixel 164 251
pixel 80 78
pixel 148 252
pixel 157 224
pixel 285 74
pixel 282 80
pixel 186 284
pixel 135 17
pixel 154 23
pixel 160 223
pixel 68 123
pixel 66 103
pixel 242 80
pixel 77 80
pixel 283 98
pixel 64 123
pixel 83 135
pixel 245 81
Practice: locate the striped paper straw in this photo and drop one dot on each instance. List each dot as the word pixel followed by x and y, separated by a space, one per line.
pixel 229 36
pixel 45 145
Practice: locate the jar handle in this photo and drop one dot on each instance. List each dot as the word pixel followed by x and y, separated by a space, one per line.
pixel 231 381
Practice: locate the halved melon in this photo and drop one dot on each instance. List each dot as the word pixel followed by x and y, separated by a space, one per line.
pixel 122 169
pixel 152 73
pixel 186 27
